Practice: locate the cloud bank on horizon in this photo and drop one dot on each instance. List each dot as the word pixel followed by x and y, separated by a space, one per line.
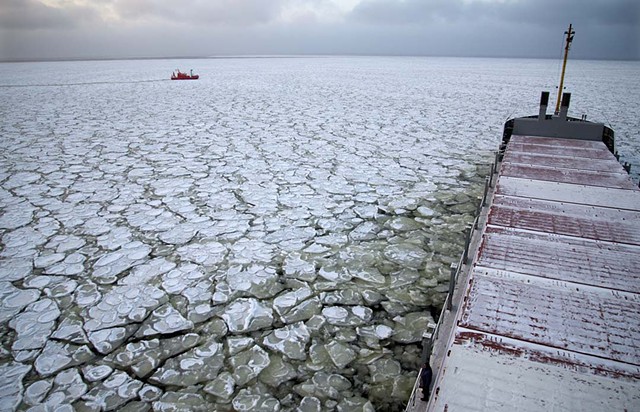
pixel 46 29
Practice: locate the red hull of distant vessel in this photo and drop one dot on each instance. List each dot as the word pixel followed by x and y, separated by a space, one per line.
pixel 184 76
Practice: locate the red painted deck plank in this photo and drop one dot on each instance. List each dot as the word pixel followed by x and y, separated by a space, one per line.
pixel 560 151
pixel 602 264
pixel 566 219
pixel 563 162
pixel 563 317
pixel 582 177
pixel 605 197
pixel 554 141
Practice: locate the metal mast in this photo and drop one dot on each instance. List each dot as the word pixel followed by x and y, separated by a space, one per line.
pixel 569 34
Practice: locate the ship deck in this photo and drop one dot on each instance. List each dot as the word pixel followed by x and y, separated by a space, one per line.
pixel 549 311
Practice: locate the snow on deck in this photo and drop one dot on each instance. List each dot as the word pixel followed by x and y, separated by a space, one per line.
pixel 550 319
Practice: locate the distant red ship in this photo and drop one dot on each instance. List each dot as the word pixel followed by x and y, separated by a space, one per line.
pixel 178 75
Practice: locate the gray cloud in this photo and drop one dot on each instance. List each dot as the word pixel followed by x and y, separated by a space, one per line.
pixel 390 12
pixel 550 12
pixel 538 13
pixel 33 15
pixel 220 12
pixel 154 28
pixel 606 28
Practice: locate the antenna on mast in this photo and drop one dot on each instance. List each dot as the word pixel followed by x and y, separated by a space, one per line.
pixel 570 33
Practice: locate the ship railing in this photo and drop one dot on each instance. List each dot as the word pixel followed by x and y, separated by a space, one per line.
pixel 432 331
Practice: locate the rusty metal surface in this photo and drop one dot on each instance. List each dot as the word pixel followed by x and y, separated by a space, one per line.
pixel 605 264
pixel 563 162
pixel 544 354
pixel 570 219
pixel 493 373
pixel 580 162
pixel 569 192
pixel 557 174
pixel 557 314
pixel 555 150
pixel 555 142
pixel 551 314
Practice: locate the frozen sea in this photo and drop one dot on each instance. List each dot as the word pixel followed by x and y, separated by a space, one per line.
pixel 273 236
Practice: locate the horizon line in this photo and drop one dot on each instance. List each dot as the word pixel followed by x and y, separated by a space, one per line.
pixel 277 56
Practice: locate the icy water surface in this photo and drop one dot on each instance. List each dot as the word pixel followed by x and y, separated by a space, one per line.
pixel 273 236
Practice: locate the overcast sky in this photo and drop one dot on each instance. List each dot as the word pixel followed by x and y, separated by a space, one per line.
pixel 44 29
